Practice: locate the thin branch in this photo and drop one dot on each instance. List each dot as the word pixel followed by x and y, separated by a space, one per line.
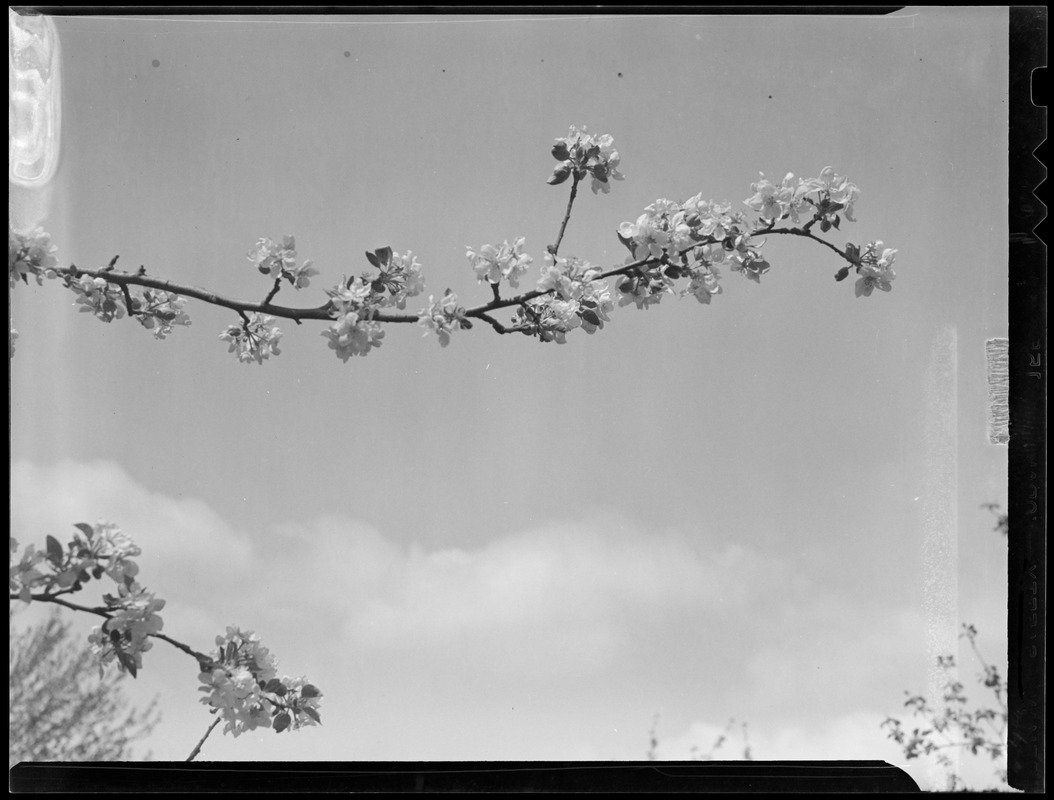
pixel 809 235
pixel 134 279
pixel 126 279
pixel 107 614
pixel 567 215
pixel 197 747
pixel 273 292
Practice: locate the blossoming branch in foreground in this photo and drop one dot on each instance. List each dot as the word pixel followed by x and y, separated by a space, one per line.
pixel 240 682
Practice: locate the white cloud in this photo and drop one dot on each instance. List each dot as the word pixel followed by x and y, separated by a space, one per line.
pixel 558 600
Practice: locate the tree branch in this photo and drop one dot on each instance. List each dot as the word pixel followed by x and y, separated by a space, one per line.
pixel 567 215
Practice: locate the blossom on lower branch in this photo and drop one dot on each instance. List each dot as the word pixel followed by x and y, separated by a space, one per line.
pixel 241 686
pixel 443 317
pixel 875 269
pixel 355 332
pixel 254 339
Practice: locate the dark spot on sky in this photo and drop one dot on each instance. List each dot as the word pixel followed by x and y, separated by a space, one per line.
pixel 347 54
pixel 156 63
pixel 444 70
pixel 620 74
pixel 770 97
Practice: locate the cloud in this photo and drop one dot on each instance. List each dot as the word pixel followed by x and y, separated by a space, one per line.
pixel 563 599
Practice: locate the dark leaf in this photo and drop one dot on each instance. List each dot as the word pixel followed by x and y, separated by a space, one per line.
pixel 825 225
pixel 281 722
pixel 373 259
pixel 591 317
pixel 600 172
pixel 842 274
pixel 385 255
pixel 313 714
pixel 271 685
pixel 560 151
pixel 86 529
pixel 309 691
pixel 837 220
pixel 54 550
pixel 128 662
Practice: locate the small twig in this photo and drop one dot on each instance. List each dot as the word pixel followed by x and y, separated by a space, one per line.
pixel 563 225
pixel 128 299
pixel 808 235
pixel 492 322
pixel 273 292
pixel 197 748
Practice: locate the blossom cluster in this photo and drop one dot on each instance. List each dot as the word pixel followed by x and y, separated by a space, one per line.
pixel 494 263
pixel 443 317
pixel 158 311
pixel 99 297
pixel 580 153
pixel 875 268
pixel 95 550
pixel 29 253
pixel 279 261
pixel 355 332
pixel 124 635
pixel 575 297
pixel 256 339
pixel 686 240
pixel 819 198
pixel 155 309
pixel 241 685
pixel 398 277
pixel 354 302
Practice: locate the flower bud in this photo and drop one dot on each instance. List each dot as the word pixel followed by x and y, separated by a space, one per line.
pixel 560 174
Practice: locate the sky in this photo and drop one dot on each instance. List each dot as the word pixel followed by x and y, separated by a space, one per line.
pixel 765 509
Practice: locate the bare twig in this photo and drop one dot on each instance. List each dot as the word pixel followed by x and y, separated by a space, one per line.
pixel 197 747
